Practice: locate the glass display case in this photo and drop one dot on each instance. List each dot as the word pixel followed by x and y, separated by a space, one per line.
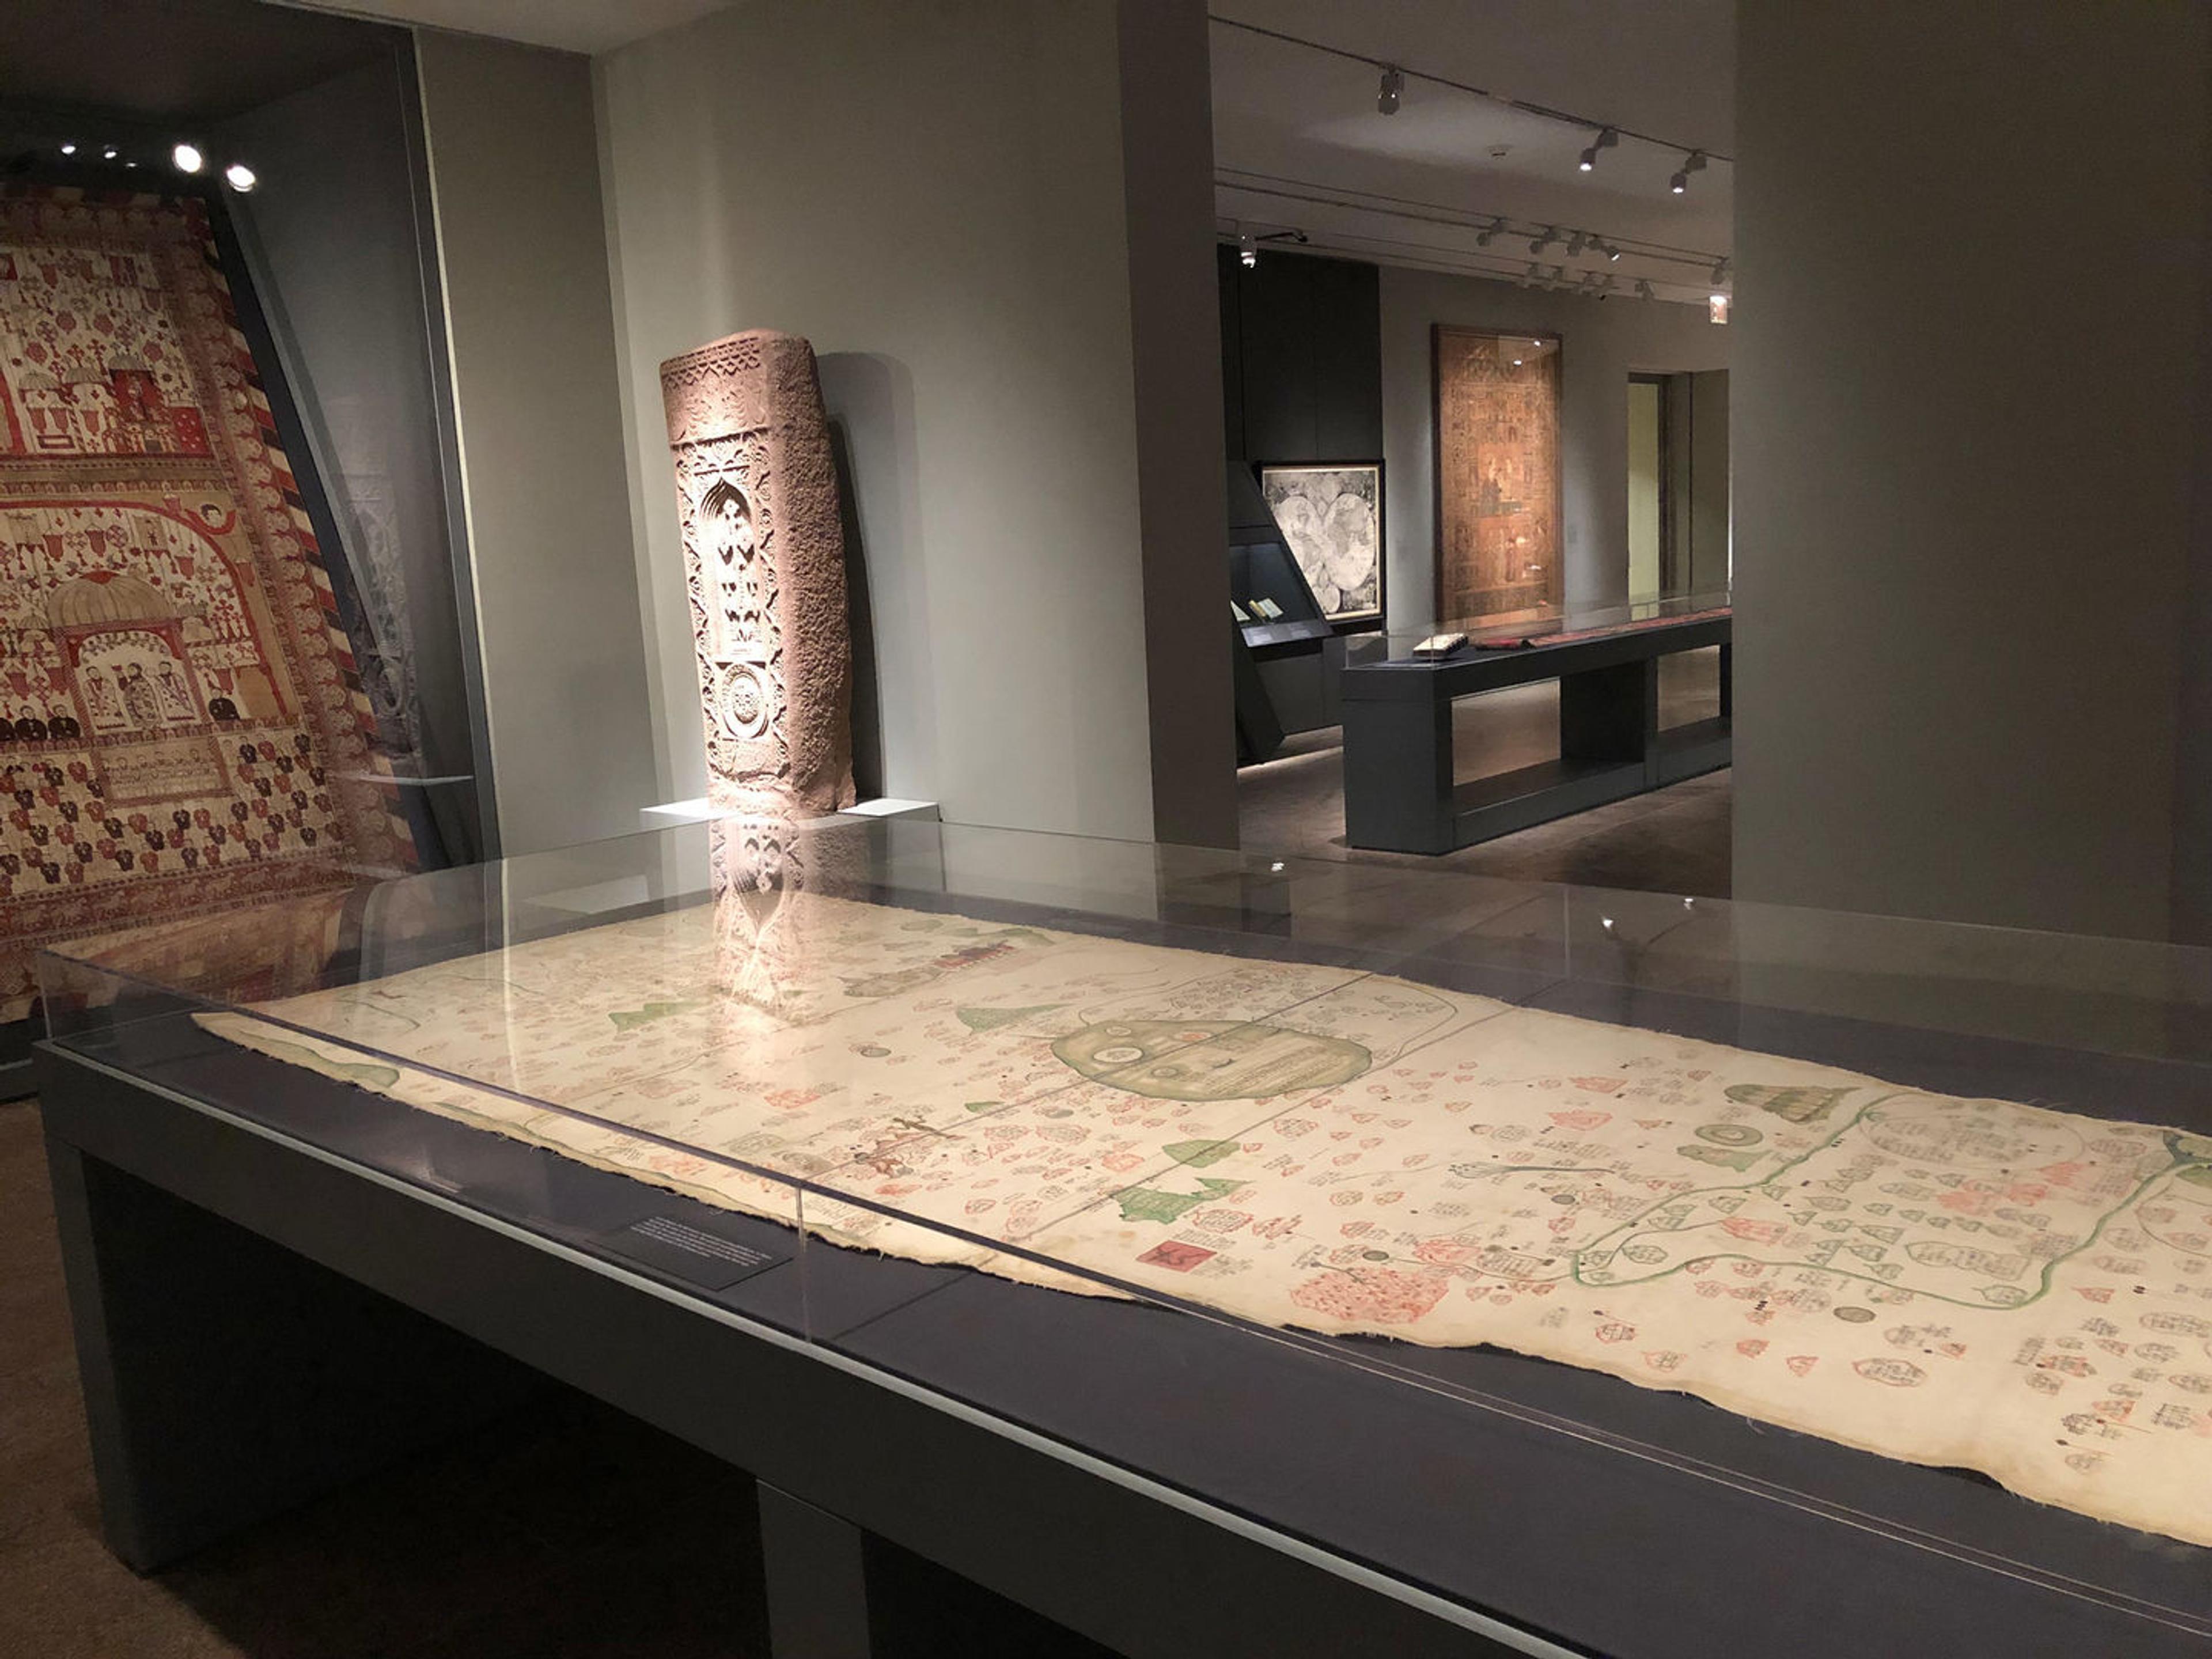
pixel 1555 625
pixel 1272 604
pixel 1862 1234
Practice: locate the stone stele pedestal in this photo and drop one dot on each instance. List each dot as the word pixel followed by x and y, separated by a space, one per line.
pixel 764 555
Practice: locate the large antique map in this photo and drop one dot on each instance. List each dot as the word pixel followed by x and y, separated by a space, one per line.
pixel 182 727
pixel 2006 1287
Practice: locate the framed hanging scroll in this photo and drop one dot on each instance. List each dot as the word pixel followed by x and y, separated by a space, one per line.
pixel 1498 543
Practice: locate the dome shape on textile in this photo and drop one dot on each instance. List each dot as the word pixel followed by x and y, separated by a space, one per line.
pixel 106 596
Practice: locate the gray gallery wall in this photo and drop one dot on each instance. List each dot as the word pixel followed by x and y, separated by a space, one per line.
pixel 1966 394
pixel 515 181
pixel 933 194
pixel 1602 343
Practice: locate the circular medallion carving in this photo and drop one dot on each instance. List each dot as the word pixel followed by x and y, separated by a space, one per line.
pixel 742 701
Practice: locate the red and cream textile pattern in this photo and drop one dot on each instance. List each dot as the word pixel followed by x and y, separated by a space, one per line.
pixel 181 727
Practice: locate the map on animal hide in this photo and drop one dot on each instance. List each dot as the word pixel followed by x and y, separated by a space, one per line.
pixel 2005 1287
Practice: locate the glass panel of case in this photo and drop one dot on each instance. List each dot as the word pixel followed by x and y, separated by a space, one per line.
pixel 1421 1157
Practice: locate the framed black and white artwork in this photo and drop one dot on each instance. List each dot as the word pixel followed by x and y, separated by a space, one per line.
pixel 1331 516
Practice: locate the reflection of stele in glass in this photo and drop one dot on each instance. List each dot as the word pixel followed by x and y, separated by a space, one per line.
pixel 1209 1060
pixel 725 520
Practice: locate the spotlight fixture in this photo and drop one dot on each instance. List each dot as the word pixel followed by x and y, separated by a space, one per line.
pixel 1576 243
pixel 1693 163
pixel 240 177
pixel 109 153
pixel 1720 270
pixel 1496 225
pixel 1530 275
pixel 69 148
pixel 1644 290
pixel 1606 139
pixel 1546 238
pixel 1611 251
pixel 1247 252
pixel 1387 95
pixel 186 158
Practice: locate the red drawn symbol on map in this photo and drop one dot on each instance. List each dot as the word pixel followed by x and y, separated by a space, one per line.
pixel 1598 1085
pixel 2094 1292
pixel 1615 1331
pixel 1758 1232
pixel 1177 1258
pixel 1803 1364
pixel 1751 1346
pixel 1581 1120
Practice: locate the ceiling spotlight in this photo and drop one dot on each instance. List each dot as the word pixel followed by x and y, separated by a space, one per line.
pixel 1575 245
pixel 239 177
pixel 109 153
pixel 1530 275
pixel 1642 290
pixel 1693 163
pixel 186 158
pixel 1606 139
pixel 1720 270
pixel 1387 95
pixel 1247 252
pixel 1496 225
pixel 1611 253
pixel 68 149
pixel 1544 239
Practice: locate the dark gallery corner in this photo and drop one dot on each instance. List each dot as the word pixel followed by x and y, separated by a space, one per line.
pixel 669 987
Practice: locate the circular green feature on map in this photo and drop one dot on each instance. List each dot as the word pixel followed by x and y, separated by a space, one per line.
pixel 1730 1134
pixel 1210 1059
pixel 1855 1315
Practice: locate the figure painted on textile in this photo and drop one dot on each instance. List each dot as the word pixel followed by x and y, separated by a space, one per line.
pixel 138 697
pixel 176 702
pixel 101 699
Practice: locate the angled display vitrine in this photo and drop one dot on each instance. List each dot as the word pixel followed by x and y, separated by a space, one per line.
pixel 1452 1264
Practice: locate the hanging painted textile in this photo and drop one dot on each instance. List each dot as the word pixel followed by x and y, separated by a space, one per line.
pixel 181 726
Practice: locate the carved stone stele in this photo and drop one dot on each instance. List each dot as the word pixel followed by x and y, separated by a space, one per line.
pixel 764 555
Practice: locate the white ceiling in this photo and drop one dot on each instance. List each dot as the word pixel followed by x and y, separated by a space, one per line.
pixel 1298 142
pixel 584 26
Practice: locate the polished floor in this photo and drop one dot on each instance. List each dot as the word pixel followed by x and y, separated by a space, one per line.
pixel 1672 841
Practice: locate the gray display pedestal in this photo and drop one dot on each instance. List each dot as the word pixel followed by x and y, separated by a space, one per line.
pixel 1401 794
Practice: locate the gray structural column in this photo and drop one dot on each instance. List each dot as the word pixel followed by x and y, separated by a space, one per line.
pixel 1167 161
pixel 1966 451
